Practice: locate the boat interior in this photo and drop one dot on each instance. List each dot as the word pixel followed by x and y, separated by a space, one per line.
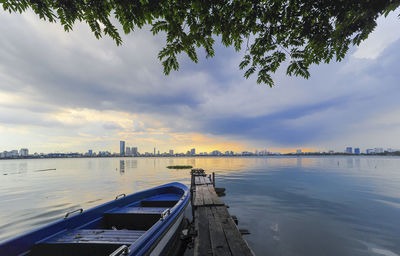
pixel 112 232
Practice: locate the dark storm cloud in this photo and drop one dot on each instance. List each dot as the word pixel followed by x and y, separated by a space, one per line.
pixel 362 94
pixel 278 127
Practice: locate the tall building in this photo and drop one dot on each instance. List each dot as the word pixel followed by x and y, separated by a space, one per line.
pixel 128 151
pixel 122 148
pixel 216 153
pixel 23 152
pixel 134 151
pixel 349 150
pixel 357 151
pixel 154 151
pixel 90 152
pixel 171 152
pixel 13 153
pixel 370 151
pixel 193 151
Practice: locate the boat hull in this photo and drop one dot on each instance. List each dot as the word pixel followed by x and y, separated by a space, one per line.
pixel 131 218
pixel 162 245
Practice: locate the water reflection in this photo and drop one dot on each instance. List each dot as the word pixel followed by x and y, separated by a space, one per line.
pixel 292 205
pixel 131 164
pixel 121 166
pixel 22 167
pixel 349 161
pixel 90 164
pixel 299 162
pixel 357 162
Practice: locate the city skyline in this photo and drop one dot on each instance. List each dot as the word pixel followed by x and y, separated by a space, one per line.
pixel 70 92
pixel 133 151
pixel 292 150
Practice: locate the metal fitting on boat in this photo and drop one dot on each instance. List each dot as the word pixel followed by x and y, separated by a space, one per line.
pixel 123 250
pixel 165 213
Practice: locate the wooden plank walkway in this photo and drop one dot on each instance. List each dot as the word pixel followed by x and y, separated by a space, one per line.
pixel 217 233
pixel 205 196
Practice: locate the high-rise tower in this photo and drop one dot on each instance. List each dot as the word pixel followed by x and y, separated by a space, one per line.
pixel 122 148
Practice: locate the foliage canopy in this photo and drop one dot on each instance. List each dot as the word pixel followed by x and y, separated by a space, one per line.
pixel 270 31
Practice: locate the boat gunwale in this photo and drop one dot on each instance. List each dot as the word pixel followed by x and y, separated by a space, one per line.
pixel 159 228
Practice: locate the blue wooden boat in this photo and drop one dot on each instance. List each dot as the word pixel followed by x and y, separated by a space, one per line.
pixel 139 224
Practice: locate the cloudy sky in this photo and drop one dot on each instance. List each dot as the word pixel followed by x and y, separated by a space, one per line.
pixel 63 92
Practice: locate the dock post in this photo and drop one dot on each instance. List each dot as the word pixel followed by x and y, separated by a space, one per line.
pixel 213 179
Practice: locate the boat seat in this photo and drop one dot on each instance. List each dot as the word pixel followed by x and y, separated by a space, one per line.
pixel 137 218
pixel 158 203
pixel 164 200
pixel 84 242
pixel 140 210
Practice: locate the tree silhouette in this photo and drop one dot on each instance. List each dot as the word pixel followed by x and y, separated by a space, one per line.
pixel 270 31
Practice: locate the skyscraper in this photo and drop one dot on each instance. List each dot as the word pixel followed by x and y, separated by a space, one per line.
pixel 134 151
pixel 154 151
pixel 357 151
pixel 193 151
pixel 122 148
pixel 370 151
pixel 24 152
pixel 349 150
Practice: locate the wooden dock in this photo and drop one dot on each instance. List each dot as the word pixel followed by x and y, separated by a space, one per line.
pixel 216 233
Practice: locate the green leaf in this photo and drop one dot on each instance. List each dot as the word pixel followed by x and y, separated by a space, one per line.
pixel 308 32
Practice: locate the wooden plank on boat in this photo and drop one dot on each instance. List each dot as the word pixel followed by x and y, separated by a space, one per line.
pixel 98 236
pixel 139 210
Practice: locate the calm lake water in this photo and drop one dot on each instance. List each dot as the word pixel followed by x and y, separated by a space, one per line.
pixel 302 206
